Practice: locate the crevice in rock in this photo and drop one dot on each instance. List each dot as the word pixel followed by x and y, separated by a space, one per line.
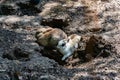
pixel 53 54
pixel 28 9
pixel 10 9
pixel 55 23
pixel 16 54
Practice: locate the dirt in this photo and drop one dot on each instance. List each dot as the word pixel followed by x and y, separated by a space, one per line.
pixel 97 21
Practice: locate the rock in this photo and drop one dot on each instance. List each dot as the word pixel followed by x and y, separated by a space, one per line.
pixel 47 8
pixel 47 77
pixel 24 22
pixel 97 46
pixel 55 15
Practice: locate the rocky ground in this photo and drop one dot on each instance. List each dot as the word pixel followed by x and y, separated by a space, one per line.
pixel 21 57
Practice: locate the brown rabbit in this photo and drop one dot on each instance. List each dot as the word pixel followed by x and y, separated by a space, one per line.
pixel 49 37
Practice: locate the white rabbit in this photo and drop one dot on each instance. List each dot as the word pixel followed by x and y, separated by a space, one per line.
pixel 68 46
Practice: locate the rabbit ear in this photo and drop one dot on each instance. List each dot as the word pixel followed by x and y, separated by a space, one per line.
pixel 68 40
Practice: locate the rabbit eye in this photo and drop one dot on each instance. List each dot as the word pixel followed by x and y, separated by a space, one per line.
pixel 63 44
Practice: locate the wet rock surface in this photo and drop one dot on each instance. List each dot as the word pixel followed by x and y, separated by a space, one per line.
pixel 21 58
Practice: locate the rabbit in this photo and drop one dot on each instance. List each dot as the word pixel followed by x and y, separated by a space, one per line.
pixel 49 37
pixel 68 46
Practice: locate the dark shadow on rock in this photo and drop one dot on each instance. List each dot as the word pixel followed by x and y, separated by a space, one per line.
pixel 9 38
pixel 17 54
pixel 14 46
pixel 55 23
pixel 53 54
pixel 28 9
pixel 97 46
pixel 20 8
pixel 8 9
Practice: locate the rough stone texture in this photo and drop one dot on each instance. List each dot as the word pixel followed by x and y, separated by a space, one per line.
pixel 20 57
